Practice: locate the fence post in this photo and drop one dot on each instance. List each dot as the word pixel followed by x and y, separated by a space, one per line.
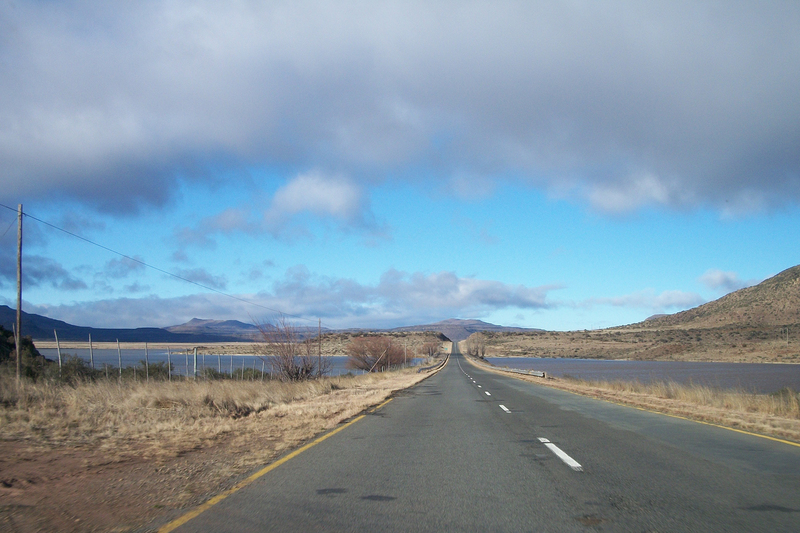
pixel 91 351
pixel 146 364
pixel 195 363
pixel 58 348
pixel 119 359
pixel 169 364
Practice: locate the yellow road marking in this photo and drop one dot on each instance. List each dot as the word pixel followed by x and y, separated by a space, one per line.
pixel 219 497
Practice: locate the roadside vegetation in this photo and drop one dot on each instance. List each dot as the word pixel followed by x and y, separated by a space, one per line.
pixel 776 414
pixel 82 449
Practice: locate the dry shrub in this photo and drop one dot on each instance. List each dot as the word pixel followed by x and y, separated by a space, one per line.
pixel 374 353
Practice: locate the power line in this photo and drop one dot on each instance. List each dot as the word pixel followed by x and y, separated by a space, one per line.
pixel 176 276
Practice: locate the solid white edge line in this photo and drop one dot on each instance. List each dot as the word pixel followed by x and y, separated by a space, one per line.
pixel 569 461
pixel 487 393
pixel 504 408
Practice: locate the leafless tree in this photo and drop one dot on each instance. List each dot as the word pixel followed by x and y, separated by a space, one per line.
pixel 373 353
pixel 283 349
pixel 430 349
pixel 476 345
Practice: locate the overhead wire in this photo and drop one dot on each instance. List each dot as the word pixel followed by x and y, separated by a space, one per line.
pixel 157 269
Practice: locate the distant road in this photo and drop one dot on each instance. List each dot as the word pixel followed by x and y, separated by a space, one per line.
pixel 470 450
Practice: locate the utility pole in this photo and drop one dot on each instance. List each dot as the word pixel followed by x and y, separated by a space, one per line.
pixel 19 288
pixel 319 347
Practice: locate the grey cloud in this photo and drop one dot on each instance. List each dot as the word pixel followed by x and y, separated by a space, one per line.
pixel 616 104
pixel 38 271
pixel 203 277
pixel 123 267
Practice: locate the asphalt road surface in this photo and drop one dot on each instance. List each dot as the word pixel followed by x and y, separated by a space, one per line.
pixel 471 450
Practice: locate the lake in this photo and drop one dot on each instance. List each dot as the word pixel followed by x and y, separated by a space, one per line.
pixel 183 364
pixel 752 377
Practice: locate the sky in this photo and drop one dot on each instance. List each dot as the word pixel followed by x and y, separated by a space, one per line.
pixel 557 165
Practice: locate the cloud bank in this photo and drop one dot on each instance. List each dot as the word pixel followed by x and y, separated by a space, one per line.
pixel 397 298
pixel 618 105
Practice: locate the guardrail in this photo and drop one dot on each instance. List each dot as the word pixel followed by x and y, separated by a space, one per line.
pixel 537 373
pixel 439 364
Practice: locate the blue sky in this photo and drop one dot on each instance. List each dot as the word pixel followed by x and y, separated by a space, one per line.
pixel 572 165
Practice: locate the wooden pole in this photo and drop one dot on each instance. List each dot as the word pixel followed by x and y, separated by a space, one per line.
pixel 91 352
pixel 169 363
pixel 195 362
pixel 146 364
pixel 319 347
pixel 18 337
pixel 119 359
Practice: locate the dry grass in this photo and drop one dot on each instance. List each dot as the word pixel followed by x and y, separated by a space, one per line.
pixel 166 418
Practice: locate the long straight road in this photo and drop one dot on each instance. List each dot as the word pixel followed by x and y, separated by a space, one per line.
pixel 471 450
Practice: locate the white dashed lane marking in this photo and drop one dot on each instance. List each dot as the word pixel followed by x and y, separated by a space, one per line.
pixel 569 461
pixel 504 408
pixel 487 393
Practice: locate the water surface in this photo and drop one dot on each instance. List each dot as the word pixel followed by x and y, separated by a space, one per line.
pixel 751 377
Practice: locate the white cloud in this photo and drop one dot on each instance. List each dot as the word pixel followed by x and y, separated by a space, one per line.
pixel 328 198
pixel 320 195
pixel 671 300
pixel 722 281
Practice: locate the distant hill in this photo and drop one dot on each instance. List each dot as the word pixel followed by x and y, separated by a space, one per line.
pixel 235 329
pixel 41 328
pixel 200 330
pixel 457 329
pixel 773 302
pixel 229 328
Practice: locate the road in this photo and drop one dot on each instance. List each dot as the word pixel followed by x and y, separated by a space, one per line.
pixel 471 450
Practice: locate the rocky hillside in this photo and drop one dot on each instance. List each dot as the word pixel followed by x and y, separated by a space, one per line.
pixel 773 302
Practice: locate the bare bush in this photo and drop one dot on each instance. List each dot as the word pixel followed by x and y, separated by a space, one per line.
pixel 430 349
pixel 374 353
pixel 476 345
pixel 291 358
